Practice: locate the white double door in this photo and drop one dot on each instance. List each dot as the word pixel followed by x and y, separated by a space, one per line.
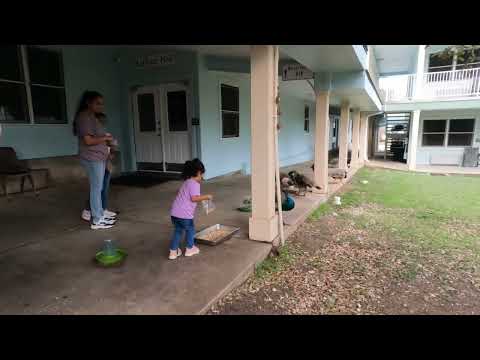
pixel 162 126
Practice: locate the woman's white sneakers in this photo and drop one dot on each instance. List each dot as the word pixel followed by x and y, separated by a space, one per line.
pixel 102 224
pixel 109 214
pixel 87 215
pixel 108 220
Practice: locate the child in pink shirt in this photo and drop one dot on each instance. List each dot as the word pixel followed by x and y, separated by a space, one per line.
pixel 183 209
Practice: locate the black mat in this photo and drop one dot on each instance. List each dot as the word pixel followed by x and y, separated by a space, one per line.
pixel 143 179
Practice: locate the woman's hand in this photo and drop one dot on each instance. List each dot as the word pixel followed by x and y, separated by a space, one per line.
pixel 92 140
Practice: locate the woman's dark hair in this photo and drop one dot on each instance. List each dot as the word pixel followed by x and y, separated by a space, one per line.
pixel 86 99
pixel 191 169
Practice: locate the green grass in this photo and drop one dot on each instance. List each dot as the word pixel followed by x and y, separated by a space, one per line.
pixel 322 210
pixel 431 196
pixel 431 212
pixel 272 265
pixel 419 212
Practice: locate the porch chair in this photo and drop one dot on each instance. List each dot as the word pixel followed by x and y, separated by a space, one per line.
pixel 12 167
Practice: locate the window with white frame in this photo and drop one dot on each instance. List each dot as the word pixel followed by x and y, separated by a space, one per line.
pixel 460 132
pixel 306 124
pixel 31 86
pixel 448 132
pixel 230 110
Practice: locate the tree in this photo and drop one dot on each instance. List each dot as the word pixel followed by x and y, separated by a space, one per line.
pixel 465 54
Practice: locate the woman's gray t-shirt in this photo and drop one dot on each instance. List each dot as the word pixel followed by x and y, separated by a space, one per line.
pixel 89 125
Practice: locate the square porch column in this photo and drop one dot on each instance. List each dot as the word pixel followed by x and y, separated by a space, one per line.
pixel 355 138
pixel 343 136
pixel 363 138
pixel 413 140
pixel 263 223
pixel 322 137
pixel 419 76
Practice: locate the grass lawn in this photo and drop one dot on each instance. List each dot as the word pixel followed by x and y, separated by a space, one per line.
pixel 438 211
pixel 400 243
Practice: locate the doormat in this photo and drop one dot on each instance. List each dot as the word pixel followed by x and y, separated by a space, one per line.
pixel 143 179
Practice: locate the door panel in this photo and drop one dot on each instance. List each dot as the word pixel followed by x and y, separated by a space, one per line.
pixel 176 125
pixel 162 126
pixel 148 143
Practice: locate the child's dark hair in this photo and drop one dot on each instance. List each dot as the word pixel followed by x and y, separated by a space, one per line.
pixel 102 118
pixel 191 169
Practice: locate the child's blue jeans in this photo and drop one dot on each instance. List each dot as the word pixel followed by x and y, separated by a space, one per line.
pixel 181 226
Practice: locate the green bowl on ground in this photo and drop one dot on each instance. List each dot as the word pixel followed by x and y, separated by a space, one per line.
pixel 245 209
pixel 111 260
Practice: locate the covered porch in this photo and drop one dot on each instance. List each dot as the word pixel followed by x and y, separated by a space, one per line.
pixel 46 251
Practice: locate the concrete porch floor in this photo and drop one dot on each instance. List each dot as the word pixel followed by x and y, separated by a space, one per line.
pixel 46 251
pixel 433 169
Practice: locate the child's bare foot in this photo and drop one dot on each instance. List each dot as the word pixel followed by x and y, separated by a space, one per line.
pixel 193 251
pixel 174 254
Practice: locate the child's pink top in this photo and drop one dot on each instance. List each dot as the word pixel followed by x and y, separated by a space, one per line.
pixel 183 207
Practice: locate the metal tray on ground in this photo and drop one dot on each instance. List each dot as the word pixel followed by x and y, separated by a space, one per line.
pixel 205 236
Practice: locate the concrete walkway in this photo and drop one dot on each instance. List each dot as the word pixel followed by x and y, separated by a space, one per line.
pixel 46 252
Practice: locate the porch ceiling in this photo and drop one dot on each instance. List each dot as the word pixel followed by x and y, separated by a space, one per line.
pixel 325 58
pixel 237 51
pixel 395 59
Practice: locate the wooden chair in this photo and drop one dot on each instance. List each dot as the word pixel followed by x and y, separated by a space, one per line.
pixel 12 167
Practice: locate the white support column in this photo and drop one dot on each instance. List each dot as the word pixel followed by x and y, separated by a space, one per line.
pixel 413 140
pixel 355 138
pixel 263 224
pixel 420 71
pixel 343 136
pixel 322 137
pixel 363 138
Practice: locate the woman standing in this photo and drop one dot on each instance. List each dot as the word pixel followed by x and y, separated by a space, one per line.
pixel 93 152
pixel 113 147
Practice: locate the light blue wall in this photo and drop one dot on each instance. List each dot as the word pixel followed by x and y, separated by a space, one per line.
pixel 223 156
pixel 295 145
pixel 84 68
pixel 113 73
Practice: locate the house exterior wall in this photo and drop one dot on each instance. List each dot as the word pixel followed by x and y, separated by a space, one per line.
pixel 451 155
pixel 84 68
pixel 224 156
pixel 113 72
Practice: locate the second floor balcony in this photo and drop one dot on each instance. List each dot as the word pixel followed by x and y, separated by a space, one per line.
pixel 433 86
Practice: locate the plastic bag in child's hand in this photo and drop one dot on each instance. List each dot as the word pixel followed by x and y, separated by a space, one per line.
pixel 208 206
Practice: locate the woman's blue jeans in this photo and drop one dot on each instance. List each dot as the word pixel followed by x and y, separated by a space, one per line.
pixel 105 189
pixel 96 174
pixel 181 226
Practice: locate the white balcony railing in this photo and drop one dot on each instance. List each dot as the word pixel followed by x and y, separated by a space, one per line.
pixel 441 85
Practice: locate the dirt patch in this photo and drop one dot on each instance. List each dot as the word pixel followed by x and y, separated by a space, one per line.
pixel 346 263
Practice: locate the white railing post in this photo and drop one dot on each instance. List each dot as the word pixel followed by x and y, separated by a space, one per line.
pixel 420 72
pixel 435 85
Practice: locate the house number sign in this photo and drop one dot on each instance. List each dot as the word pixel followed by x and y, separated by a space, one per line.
pixel 155 60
